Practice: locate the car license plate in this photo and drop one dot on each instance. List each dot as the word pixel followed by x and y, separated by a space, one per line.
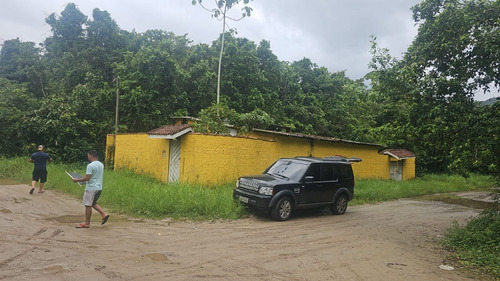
pixel 243 199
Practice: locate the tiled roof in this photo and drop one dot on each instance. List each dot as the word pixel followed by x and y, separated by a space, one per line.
pixel 398 153
pixel 170 130
pixel 174 131
pixel 313 137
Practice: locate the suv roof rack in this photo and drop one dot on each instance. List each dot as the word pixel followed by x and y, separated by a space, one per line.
pixel 335 158
pixel 307 158
pixel 354 159
pixel 341 158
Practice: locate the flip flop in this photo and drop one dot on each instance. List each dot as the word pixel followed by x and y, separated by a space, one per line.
pixel 105 219
pixel 82 226
pixel 32 190
pixel 43 191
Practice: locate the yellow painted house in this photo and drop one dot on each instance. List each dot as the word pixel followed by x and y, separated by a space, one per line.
pixel 175 153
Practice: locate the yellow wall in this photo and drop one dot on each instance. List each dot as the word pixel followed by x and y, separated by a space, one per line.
pixel 109 148
pixel 213 159
pixel 218 159
pixel 373 165
pixel 408 168
pixel 142 154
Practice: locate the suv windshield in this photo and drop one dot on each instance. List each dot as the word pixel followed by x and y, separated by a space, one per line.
pixel 287 169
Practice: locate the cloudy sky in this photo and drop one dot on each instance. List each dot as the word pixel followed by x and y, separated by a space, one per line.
pixel 331 33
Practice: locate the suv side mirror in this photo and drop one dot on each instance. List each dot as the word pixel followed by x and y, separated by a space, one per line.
pixel 309 179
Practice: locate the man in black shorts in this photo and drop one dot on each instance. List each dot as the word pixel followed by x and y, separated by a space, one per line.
pixel 40 169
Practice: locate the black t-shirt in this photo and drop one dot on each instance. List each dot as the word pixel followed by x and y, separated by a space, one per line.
pixel 40 159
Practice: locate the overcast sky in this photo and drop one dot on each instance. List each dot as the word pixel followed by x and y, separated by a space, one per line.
pixel 331 33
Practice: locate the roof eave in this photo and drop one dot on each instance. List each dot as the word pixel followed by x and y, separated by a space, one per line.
pixel 171 137
pixel 397 157
pixel 328 139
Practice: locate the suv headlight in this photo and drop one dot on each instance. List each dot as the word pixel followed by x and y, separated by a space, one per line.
pixel 266 190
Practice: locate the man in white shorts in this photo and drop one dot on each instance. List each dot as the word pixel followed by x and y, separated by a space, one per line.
pixel 93 188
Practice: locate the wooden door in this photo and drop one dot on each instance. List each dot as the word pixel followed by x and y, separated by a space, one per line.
pixel 175 160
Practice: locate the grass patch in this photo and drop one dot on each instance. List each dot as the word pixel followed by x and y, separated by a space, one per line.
pixel 143 196
pixel 477 244
pixel 136 195
pixel 374 191
pixel 458 200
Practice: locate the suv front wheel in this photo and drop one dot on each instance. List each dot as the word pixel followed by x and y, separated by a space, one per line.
pixel 282 210
pixel 339 205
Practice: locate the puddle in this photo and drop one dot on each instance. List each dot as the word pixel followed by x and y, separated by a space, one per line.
pixel 156 256
pixel 136 220
pixel 458 200
pixel 68 219
pixel 22 200
pixel 96 218
pixel 395 265
pixel 55 269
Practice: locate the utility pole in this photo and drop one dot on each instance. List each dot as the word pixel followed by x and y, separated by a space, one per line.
pixel 117 79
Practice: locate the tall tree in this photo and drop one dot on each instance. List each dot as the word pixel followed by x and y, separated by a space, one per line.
pixel 22 62
pixel 62 50
pixel 458 44
pixel 16 57
pixel 242 79
pixel 15 103
pixel 67 30
pixel 455 55
pixel 152 83
pixel 271 70
pixel 220 12
pixel 105 42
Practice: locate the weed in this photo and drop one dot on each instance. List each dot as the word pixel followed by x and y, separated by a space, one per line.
pixel 477 244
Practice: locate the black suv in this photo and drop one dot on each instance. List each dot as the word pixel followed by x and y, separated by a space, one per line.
pixel 299 182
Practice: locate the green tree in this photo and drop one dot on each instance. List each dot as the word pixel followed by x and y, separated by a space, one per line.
pixel 476 149
pixel 427 97
pixel 22 62
pixel 105 43
pixel 15 102
pixel 351 114
pixel 271 70
pixel 458 44
pixel 66 67
pixel 450 66
pixel 152 83
pixel 67 30
pixel 16 57
pixel 214 119
pixel 257 119
pixel 221 13
pixel 242 80
pixel 201 79
pixel 392 88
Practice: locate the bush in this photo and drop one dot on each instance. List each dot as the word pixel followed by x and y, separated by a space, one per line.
pixel 477 244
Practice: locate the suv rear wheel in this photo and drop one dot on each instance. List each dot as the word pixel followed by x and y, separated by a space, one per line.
pixel 282 210
pixel 339 205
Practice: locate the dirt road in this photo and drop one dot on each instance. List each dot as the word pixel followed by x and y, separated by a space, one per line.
pixel 389 241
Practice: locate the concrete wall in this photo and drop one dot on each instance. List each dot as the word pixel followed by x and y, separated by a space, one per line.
pixel 141 154
pixel 408 169
pixel 213 159
pixel 219 159
pixel 373 165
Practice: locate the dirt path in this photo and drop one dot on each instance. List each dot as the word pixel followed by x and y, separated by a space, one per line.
pixel 389 241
